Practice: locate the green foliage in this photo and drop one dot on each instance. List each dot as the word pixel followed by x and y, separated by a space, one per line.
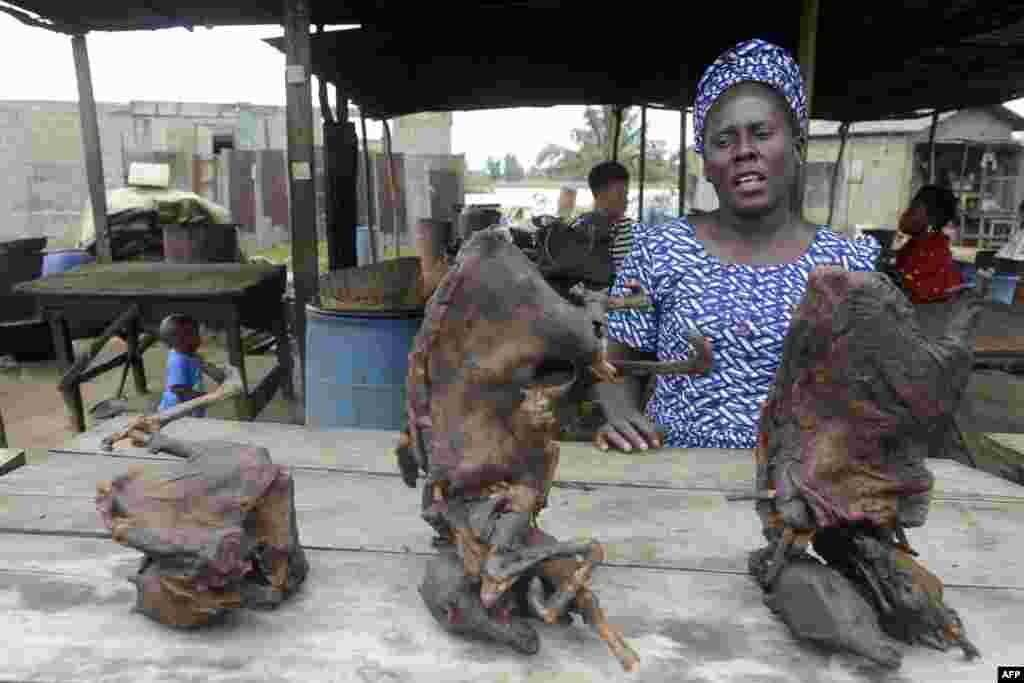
pixel 514 171
pixel 594 144
pixel 493 168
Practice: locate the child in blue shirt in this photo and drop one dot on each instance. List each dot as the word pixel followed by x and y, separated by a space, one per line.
pixel 184 370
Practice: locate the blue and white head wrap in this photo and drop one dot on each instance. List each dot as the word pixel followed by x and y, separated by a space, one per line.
pixel 757 61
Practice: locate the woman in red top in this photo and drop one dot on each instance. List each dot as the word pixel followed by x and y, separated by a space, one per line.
pixel 925 263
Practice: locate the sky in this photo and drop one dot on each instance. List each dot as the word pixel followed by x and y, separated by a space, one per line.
pixel 232 64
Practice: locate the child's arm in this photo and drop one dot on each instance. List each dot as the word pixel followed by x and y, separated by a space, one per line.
pixel 185 393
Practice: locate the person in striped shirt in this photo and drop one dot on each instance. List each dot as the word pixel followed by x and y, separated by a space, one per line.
pixel 609 183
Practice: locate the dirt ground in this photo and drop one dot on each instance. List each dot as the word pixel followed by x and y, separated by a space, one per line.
pixel 35 416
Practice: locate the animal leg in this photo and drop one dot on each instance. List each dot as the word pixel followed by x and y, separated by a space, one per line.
pixel 792 542
pixel 570 577
pixel 593 614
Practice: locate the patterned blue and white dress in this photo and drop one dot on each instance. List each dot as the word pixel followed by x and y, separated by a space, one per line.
pixel 744 310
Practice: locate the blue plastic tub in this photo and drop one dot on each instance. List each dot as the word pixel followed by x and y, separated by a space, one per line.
pixel 63 260
pixel 356 366
pixel 1003 288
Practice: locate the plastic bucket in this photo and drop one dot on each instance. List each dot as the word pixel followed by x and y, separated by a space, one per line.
pixel 1003 288
pixel 63 260
pixel 356 367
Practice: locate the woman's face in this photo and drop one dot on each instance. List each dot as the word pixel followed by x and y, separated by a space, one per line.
pixel 915 219
pixel 750 153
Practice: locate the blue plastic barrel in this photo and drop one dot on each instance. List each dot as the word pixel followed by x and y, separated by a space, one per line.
pixel 362 245
pixel 356 366
pixel 62 260
pixel 1003 288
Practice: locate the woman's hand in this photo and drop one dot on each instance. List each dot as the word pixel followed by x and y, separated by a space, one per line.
pixel 626 428
pixel 628 433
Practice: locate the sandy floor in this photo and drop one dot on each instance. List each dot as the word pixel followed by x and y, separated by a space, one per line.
pixel 35 416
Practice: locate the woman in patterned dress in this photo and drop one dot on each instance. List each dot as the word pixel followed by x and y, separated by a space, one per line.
pixel 735 274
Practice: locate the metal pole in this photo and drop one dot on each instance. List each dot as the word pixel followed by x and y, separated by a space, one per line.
pixel 91 145
pixel 809 15
pixel 643 161
pixel 617 133
pixel 302 192
pixel 682 161
pixel 844 129
pixel 931 146
pixel 371 217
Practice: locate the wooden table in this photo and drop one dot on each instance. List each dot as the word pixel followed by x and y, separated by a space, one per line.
pixel 999 337
pixel 676 580
pixel 137 296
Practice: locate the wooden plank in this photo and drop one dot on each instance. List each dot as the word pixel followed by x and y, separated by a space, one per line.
pixel 68 607
pixel 366 450
pixel 91 144
pixel 10 460
pixel 964 542
pixel 1002 454
pixel 161 281
pixel 1013 442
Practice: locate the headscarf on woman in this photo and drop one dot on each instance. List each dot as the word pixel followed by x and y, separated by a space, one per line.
pixel 751 61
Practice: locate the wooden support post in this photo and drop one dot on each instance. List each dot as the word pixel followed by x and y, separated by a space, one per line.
pixel 371 208
pixel 809 15
pixel 844 130
pixel 643 162
pixel 302 191
pixel 682 162
pixel 91 145
pixel 330 147
pixel 931 146
pixel 62 344
pixel 392 183
pixel 617 133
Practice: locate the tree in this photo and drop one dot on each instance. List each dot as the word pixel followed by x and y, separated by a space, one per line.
pixel 493 168
pixel 513 169
pixel 594 144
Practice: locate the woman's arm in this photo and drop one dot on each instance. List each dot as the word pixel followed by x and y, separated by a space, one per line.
pixel 626 427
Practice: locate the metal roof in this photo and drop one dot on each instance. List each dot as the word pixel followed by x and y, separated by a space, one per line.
pixel 875 59
pixel 905 126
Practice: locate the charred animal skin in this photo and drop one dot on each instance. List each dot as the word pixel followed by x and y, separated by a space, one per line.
pixel 860 400
pixel 497 350
pixel 818 603
pixel 453 599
